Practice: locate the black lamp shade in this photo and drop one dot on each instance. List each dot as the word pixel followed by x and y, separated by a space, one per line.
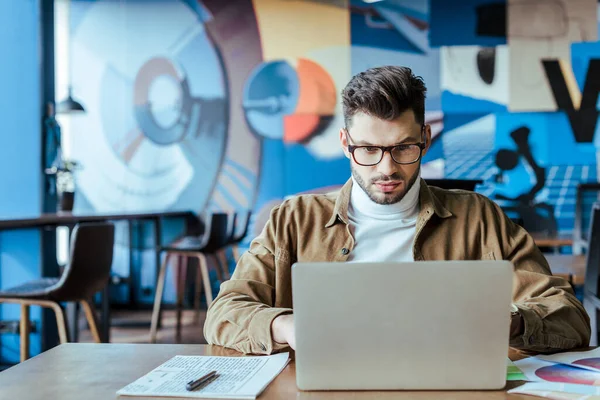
pixel 69 105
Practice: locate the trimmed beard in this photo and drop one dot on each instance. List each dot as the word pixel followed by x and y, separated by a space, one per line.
pixel 395 176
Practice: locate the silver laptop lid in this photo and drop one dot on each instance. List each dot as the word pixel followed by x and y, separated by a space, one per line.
pixel 424 325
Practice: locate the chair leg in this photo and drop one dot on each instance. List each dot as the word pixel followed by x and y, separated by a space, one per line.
pixel 61 323
pixel 24 325
pixel 158 298
pixel 197 294
pixel 72 313
pixel 24 332
pixel 222 256
pixel 218 267
pixel 235 250
pixel 90 316
pixel 206 278
pixel 181 274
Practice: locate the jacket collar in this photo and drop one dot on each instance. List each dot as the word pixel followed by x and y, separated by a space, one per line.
pixel 429 203
pixel 340 210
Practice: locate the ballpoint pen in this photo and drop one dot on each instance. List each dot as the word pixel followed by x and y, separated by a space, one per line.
pixel 192 385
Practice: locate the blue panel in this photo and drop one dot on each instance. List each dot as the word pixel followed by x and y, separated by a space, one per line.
pixel 418 9
pixel 452 121
pixel 272 177
pixel 538 139
pixel 551 139
pixel 20 151
pixel 287 169
pixel 453 148
pixel 453 23
pixel 563 149
pixel 468 148
pixel 581 53
pixel 435 152
pixel 456 103
pixel 304 172
pixel 361 34
pixel 19 262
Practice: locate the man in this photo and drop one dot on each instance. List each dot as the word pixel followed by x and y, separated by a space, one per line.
pixel 385 212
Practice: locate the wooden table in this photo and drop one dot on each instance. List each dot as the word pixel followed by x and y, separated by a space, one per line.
pixel 71 218
pixel 555 240
pixel 570 267
pixel 76 371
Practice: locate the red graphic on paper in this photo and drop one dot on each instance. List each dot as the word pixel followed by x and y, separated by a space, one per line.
pixel 567 374
pixel 589 362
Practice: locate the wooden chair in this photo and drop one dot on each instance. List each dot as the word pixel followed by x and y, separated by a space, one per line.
pixel 218 233
pixel 241 228
pixel 88 272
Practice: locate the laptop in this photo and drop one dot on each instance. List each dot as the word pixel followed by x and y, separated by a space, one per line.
pixel 434 325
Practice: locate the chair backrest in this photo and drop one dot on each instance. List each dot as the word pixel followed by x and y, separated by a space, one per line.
pixel 233 221
pixel 587 195
pixel 242 224
pixel 218 227
pixel 592 271
pixel 195 225
pixel 89 268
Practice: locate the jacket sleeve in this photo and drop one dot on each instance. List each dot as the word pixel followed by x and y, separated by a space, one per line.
pixel 240 317
pixel 553 318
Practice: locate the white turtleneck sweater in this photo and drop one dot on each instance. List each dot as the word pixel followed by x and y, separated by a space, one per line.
pixel 383 232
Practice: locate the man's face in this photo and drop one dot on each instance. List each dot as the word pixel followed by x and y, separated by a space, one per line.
pixel 387 182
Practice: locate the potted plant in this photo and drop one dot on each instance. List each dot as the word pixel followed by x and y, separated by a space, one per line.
pixel 65 183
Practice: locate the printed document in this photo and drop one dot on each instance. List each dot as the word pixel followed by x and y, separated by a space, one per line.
pixel 236 378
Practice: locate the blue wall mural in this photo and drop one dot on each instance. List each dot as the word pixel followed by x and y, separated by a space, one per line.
pixel 538 141
pixel 226 108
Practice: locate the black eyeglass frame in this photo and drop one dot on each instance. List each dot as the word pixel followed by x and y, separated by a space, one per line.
pixel 384 149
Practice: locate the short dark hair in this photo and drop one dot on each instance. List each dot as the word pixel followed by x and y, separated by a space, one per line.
pixel 384 92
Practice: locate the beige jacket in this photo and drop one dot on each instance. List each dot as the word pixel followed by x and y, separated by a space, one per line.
pixel 452 225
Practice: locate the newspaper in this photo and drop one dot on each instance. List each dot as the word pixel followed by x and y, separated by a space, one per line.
pixel 237 377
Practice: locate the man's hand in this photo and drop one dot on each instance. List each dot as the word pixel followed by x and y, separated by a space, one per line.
pixel 282 330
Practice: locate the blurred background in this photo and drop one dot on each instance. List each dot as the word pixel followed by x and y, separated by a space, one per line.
pixel 115 107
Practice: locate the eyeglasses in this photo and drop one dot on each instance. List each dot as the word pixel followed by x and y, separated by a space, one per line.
pixel 368 156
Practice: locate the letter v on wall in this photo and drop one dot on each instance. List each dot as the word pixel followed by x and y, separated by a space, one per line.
pixel 580 107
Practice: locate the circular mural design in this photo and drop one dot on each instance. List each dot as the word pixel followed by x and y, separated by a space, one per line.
pixel 155 131
pixel 287 100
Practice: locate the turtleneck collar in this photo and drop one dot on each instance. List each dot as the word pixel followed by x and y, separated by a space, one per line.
pixel 406 208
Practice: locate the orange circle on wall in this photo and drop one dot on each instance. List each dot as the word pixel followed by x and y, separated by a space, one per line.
pixel 316 102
